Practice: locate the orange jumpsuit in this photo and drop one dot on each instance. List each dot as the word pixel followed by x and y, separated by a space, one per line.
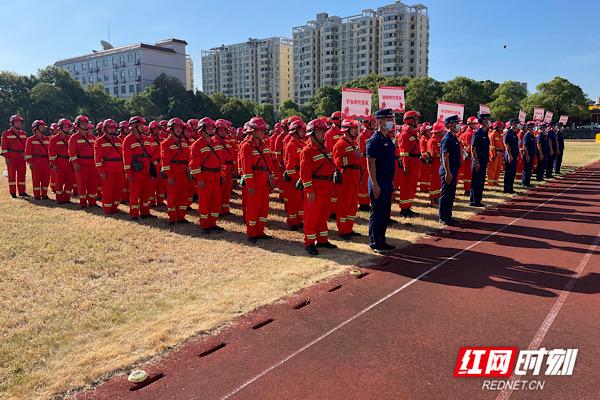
pixel 81 153
pixel 277 170
pixel 138 148
pixel 346 156
pixel 227 156
pixel 13 149
pixel 291 156
pixel 433 147
pixel 174 155
pixel 108 155
pixel 425 171
pixel 363 193
pixel 64 176
pixel 332 136
pixel 206 162
pixel 256 165
pixel 36 154
pixel 158 193
pixel 410 155
pixel 278 156
pixel 465 167
pixel 496 157
pixel 316 173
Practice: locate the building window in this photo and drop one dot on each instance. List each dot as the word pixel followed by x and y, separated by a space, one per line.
pixel 105 77
pixel 83 65
pixel 83 80
pixel 131 88
pixel 123 75
pixel 130 57
pixel 98 78
pixel 105 62
pixel 123 89
pixel 116 90
pixel 138 88
pixel 106 90
pixel 122 60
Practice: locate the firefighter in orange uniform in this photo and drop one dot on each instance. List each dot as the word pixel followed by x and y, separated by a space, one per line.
pixel 278 155
pixel 464 139
pixel 156 134
pixel 271 141
pixel 291 156
pixel 316 174
pixel 36 155
pixel 108 155
pixel 138 164
pixel 174 155
pixel 332 135
pixel 53 132
pixel 223 141
pixel 496 154
pixel 426 173
pixel 433 148
pixel 409 161
pixel 58 154
pixel 363 194
pixel 256 167
pixel 81 153
pixel 13 150
pixel 346 156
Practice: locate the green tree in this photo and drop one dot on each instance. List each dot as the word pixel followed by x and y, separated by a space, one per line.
pixel 51 103
pixel 142 104
pixel 99 105
pixel 219 99
pixel 324 102
pixel 205 106
pixel 62 79
pixel 267 111
pixel 507 99
pixel 561 97
pixel 422 94
pixel 236 111
pixel 14 96
pixel 289 108
pixel 466 91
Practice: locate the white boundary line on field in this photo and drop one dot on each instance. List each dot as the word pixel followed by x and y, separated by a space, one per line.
pixel 391 294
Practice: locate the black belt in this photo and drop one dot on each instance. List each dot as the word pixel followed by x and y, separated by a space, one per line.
pixel 228 162
pixel 208 169
pixel 59 156
pixel 323 177
pixel 415 155
pixel 39 156
pixel 85 157
pixel 352 166
pixel 182 162
pixel 112 159
pixel 260 168
pixel 140 156
pixel 14 151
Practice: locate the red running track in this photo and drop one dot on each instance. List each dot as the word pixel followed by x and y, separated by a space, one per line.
pixel 525 274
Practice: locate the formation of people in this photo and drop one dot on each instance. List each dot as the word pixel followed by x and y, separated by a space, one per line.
pixel 326 168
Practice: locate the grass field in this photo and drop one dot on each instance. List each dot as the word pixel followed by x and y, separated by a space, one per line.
pixel 84 296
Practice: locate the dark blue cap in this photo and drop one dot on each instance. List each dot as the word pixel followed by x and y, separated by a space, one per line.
pixel 385 113
pixel 514 120
pixel 481 116
pixel 452 119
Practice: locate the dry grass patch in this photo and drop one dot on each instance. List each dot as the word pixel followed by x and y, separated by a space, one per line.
pixel 84 295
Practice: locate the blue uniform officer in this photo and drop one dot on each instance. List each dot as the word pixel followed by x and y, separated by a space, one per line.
pixel 381 165
pixel 450 164
pixel 511 156
pixel 480 149
pixel 528 146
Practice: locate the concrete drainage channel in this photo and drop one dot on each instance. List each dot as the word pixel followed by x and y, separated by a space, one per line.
pixel 155 377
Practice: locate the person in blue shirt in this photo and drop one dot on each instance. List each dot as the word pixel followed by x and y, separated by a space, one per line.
pixel 480 149
pixel 381 166
pixel 511 155
pixel 560 141
pixel 552 150
pixel 451 158
pixel 528 154
pixel 542 152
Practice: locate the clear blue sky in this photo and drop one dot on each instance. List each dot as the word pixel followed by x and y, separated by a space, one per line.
pixel 544 39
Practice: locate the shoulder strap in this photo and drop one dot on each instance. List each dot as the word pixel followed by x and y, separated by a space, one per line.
pixel 262 156
pixel 143 148
pixel 87 141
pixel 114 146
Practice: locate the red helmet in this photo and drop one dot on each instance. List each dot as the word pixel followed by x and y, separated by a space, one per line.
pixel 193 122
pixel 146 129
pixel 337 115
pixel 507 124
pixel 163 123
pixel 154 125
pixel 257 123
pixel 221 123
pixel 316 124
pixel 53 126
pixel 277 126
pixel 472 120
pixel 294 118
pixel 348 123
pixel 137 120
pixel 296 125
pixel 247 128
pixel 285 121
pixel 64 123
pixel 175 122
pixel 15 117
pixel 206 123
pixel 99 126
pixel 412 114
pixel 497 124
pixel 426 127
pixel 110 123
pixel 123 124
pixel 37 123
pixel 81 118
pixel 439 126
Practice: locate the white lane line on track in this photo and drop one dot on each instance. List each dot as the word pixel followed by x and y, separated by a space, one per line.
pixel 393 293
pixel 552 314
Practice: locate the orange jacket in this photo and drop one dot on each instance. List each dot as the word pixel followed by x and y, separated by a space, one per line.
pixel 108 154
pixel 206 159
pixel 174 155
pixel 81 149
pixel 408 145
pixel 256 163
pixel 316 169
pixel 136 148
pixel 291 156
pixel 332 136
pixel 36 149
pixel 496 144
pixel 58 151
pixel 346 156
pixel 13 144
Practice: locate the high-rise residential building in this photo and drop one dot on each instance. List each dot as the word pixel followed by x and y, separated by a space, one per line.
pixel 127 70
pixel 259 70
pixel 331 50
pixel 189 73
